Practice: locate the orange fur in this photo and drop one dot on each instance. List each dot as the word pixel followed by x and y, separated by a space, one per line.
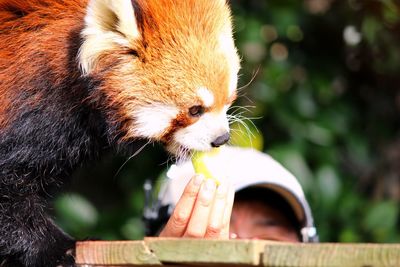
pixel 30 30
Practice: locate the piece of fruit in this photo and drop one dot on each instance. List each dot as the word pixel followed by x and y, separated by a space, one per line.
pixel 204 162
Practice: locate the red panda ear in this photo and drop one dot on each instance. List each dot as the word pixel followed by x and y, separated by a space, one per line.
pixel 108 24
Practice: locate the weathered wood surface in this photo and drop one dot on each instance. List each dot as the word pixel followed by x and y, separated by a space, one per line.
pixel 332 255
pixel 195 252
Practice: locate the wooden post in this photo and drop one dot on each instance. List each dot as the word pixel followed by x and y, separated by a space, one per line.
pixel 201 252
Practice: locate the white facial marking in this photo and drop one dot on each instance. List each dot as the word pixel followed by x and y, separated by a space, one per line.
pixel 152 121
pixel 226 43
pixel 227 46
pixel 206 96
pixel 199 135
pixel 232 84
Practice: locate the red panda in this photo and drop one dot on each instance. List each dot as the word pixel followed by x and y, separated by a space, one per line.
pixel 81 76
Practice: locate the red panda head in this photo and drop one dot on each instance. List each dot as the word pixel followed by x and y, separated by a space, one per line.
pixel 168 68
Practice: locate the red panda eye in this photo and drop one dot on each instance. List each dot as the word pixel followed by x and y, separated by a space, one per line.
pixel 133 53
pixel 196 111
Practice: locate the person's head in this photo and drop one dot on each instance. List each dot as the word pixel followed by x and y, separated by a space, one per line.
pixel 269 202
pixel 262 213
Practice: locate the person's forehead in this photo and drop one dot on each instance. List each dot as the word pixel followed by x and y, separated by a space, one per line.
pixel 250 220
pixel 257 209
pixel 265 191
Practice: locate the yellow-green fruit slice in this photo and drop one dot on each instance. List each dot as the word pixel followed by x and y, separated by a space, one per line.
pixel 201 160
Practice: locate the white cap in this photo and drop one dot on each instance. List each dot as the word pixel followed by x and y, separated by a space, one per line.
pixel 244 167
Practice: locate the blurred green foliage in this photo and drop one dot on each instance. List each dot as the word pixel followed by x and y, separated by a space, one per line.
pixel 320 78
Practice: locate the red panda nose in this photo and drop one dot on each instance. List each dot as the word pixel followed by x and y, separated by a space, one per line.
pixel 221 140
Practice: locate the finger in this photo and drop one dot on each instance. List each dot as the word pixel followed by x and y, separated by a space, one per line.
pixel 179 219
pixel 227 213
pixel 215 222
pixel 199 220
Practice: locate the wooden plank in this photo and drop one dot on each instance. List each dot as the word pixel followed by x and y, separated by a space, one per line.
pixel 201 252
pixel 154 251
pixel 114 253
pixel 196 252
pixel 332 255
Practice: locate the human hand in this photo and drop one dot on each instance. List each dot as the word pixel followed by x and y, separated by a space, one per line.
pixel 203 211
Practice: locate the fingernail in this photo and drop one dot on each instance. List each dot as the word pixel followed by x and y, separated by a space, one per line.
pixel 198 180
pixel 222 188
pixel 210 185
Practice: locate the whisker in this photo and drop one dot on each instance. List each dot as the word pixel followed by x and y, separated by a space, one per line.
pixel 169 161
pixel 134 154
pixel 250 120
pixel 245 118
pixel 243 126
pixel 251 80
pixel 241 108
pixel 247 132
